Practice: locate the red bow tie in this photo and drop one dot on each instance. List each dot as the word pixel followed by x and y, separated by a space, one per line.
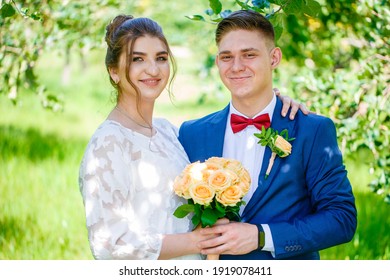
pixel 238 123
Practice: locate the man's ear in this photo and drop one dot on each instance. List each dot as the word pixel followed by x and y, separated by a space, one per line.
pixel 114 74
pixel 276 57
pixel 216 61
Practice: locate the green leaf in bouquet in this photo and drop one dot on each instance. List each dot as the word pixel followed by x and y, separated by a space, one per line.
pixel 209 217
pixel 184 210
pixel 195 220
pixel 198 209
pixel 233 216
pixel 220 208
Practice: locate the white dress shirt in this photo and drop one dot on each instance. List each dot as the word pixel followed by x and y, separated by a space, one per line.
pixel 243 146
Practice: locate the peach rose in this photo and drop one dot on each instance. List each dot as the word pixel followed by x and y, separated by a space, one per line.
pixel 244 186
pixel 216 160
pixel 219 180
pixel 206 175
pixel 234 177
pixel 283 145
pixel 230 196
pixel 245 176
pixel 196 171
pixel 190 166
pixel 181 185
pixel 201 193
pixel 213 165
pixel 234 165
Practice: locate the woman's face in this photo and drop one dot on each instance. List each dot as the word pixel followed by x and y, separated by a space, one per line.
pixel 149 69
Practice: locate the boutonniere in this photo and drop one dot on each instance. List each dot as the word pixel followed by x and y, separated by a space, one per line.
pixel 278 143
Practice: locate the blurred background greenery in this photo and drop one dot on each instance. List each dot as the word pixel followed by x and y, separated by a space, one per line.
pixel 45 125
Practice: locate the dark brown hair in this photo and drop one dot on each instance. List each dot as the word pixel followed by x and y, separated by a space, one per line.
pixel 246 20
pixel 121 34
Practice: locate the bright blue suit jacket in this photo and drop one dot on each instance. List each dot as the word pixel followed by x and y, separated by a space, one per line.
pixel 307 199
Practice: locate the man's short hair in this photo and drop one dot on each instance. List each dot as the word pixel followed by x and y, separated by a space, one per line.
pixel 246 20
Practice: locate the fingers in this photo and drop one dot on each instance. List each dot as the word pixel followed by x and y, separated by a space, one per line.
pixel 287 103
pixel 292 105
pixel 294 109
pixel 212 246
pixel 304 109
pixel 233 238
pixel 222 221
pixel 276 91
pixel 213 237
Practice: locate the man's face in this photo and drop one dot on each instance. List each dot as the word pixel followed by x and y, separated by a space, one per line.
pixel 245 64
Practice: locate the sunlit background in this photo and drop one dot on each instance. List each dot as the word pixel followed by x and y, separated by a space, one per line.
pixel 41 210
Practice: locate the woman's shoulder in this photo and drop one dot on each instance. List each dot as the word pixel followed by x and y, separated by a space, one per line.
pixel 107 127
pixel 164 125
pixel 162 122
pixel 107 131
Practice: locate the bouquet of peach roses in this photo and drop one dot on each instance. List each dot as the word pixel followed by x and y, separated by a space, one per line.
pixel 214 189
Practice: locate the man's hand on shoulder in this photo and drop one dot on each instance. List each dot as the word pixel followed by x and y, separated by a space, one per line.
pixel 289 102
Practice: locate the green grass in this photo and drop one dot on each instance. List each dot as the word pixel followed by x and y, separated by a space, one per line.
pixel 42 215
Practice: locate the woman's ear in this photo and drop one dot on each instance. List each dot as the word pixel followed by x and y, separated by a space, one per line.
pixel 114 74
pixel 276 57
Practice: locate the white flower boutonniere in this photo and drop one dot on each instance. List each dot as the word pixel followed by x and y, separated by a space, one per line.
pixel 278 143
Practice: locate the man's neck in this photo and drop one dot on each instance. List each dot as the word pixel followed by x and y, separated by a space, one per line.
pixel 252 107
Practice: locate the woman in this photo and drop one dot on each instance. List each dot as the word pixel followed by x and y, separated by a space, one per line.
pixel 130 163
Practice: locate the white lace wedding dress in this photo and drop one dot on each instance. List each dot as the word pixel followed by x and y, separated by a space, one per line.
pixel 126 182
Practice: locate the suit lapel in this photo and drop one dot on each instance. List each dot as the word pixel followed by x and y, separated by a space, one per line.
pixel 215 133
pixel 278 123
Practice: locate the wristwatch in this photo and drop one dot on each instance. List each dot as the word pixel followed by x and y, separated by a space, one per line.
pixel 261 237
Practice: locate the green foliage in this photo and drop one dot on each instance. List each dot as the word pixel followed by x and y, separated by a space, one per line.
pixel 373 227
pixel 28 28
pixel 7 11
pixel 347 77
pixel 41 206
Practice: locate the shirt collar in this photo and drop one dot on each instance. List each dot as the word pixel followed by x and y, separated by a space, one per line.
pixel 269 109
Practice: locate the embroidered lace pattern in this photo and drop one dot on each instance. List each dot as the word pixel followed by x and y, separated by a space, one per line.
pixel 127 190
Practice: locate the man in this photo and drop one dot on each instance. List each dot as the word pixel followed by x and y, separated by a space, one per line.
pixel 306 203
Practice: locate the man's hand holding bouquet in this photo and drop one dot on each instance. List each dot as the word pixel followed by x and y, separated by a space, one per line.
pixel 214 190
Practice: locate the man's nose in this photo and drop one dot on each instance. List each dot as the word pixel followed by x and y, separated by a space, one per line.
pixel 238 65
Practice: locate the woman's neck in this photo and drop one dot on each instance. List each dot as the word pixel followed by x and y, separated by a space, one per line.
pixel 143 114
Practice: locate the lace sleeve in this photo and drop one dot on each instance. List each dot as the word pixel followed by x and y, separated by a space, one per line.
pixel 106 184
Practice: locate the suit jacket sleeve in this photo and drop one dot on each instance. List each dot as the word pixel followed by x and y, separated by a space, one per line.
pixel 333 217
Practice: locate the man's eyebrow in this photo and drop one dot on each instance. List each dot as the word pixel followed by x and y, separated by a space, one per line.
pixel 242 51
pixel 249 50
pixel 224 52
